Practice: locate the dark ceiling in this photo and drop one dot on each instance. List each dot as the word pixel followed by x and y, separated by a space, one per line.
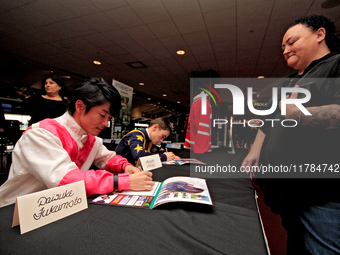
pixel 236 38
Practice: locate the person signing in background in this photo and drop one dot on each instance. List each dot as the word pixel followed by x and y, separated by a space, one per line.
pixel 139 143
pixel 309 207
pixel 55 152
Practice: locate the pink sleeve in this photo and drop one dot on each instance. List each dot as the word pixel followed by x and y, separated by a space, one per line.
pixel 96 182
pixel 117 164
pixel 123 181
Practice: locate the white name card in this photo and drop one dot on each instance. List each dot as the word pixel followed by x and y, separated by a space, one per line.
pixel 150 162
pixel 43 207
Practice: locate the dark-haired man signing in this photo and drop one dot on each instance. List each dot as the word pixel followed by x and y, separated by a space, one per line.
pixel 55 152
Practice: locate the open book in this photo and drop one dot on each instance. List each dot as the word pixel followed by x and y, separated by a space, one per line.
pixel 183 161
pixel 174 189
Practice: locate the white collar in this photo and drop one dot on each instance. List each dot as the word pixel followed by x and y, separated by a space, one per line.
pixel 147 131
pixel 199 95
pixel 73 126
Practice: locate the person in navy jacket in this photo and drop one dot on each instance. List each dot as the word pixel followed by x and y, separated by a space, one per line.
pixel 139 143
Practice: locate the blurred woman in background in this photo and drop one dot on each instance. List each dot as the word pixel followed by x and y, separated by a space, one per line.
pixel 53 103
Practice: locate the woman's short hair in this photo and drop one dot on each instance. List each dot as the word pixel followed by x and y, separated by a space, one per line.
pixel 315 22
pixel 94 92
pixel 57 79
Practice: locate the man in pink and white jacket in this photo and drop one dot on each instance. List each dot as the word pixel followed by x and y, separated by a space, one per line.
pixel 55 152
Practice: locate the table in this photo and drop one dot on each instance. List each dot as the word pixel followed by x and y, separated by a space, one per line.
pixel 230 226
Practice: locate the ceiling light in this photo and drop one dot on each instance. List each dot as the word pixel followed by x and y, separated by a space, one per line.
pixel 178 102
pixel 136 64
pixel 260 77
pixel 149 98
pixel 141 84
pixel 180 52
pixel 66 77
pixel 64 46
pixel 164 95
pixel 97 63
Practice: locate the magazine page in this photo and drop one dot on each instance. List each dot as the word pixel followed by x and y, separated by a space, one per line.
pixel 183 189
pixel 171 162
pixel 129 198
pixel 183 161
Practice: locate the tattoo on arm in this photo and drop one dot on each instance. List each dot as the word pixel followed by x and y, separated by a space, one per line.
pixel 326 116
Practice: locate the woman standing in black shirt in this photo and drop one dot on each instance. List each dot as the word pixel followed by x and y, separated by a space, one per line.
pixel 53 103
pixel 309 206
